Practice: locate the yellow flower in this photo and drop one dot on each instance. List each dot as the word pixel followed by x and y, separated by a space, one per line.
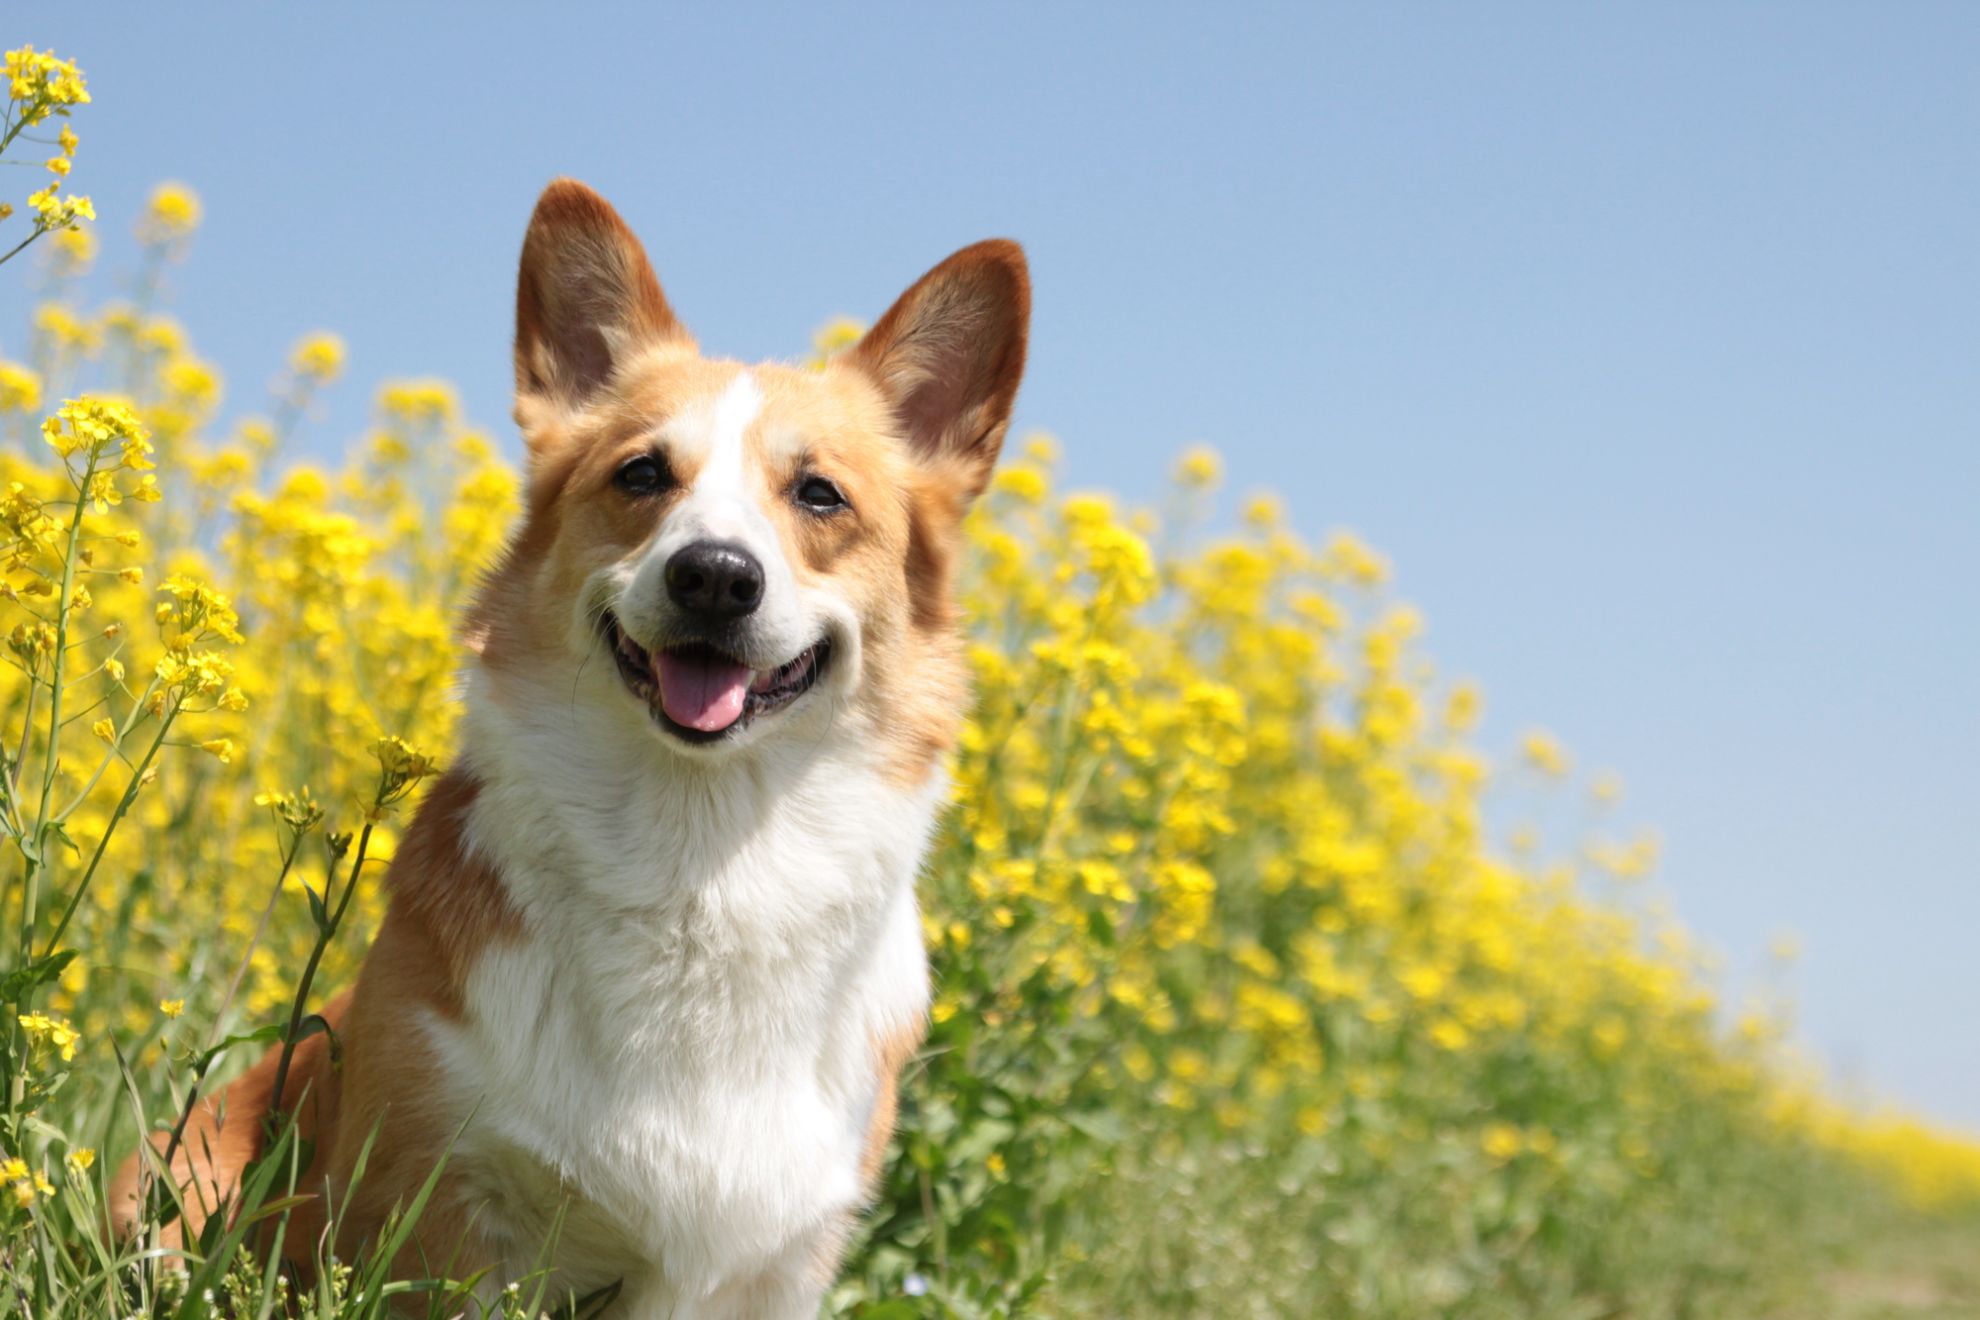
pixel 91 425
pixel 171 1008
pixel 40 85
pixel 318 358
pixel 53 211
pixel 399 758
pixel 1347 559
pixel 1021 481
pixel 191 383
pixel 418 403
pixel 1462 710
pixel 1264 511
pixel 195 612
pixel 74 249
pixel 835 337
pixel 1502 1141
pixel 223 748
pixel 102 492
pixel 1450 1034
pixel 1544 753
pixel 20 388
pixel 1200 468
pixel 53 1031
pixel 171 213
pixel 401 766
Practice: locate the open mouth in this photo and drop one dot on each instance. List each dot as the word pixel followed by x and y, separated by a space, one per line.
pixel 701 693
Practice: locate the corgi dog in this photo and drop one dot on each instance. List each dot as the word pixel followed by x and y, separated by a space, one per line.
pixel 652 962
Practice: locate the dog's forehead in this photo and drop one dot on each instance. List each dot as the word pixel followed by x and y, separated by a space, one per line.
pixel 713 422
pixel 728 414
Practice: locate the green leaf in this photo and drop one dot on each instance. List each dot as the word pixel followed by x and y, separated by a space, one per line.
pixel 204 1060
pixel 1102 1125
pixel 17 984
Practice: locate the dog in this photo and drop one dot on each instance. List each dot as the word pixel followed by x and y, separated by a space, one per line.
pixel 652 962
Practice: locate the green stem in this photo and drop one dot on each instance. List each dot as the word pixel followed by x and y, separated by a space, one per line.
pixel 130 722
pixel 15 251
pixel 39 860
pixel 123 805
pixel 325 933
pixel 15 127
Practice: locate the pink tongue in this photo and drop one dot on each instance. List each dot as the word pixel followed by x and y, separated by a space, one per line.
pixel 701 692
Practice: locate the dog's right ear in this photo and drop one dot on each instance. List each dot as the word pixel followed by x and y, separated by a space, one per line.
pixel 586 301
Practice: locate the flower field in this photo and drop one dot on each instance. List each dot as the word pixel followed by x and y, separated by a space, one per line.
pixel 1243 1007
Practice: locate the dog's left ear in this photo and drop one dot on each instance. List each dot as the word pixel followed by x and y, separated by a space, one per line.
pixel 949 354
pixel 586 300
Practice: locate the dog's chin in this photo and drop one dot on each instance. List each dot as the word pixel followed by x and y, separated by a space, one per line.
pixel 701 695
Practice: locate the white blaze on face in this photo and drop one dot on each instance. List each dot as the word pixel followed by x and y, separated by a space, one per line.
pixel 713 440
pixel 719 507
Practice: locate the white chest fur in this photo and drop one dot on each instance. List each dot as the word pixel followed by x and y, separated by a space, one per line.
pixel 679 1054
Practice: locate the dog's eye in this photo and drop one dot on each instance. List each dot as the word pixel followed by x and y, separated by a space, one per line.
pixel 819 494
pixel 641 476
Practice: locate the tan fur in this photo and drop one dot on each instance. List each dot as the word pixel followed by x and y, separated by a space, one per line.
pixel 892 1053
pixel 908 425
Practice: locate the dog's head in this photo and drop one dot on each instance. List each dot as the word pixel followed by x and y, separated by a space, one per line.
pixel 738 555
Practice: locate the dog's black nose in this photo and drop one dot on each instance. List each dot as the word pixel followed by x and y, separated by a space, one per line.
pixel 715 578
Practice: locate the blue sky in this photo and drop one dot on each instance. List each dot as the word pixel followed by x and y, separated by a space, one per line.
pixel 1643 339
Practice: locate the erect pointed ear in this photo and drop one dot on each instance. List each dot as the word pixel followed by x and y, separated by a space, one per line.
pixel 949 353
pixel 586 298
